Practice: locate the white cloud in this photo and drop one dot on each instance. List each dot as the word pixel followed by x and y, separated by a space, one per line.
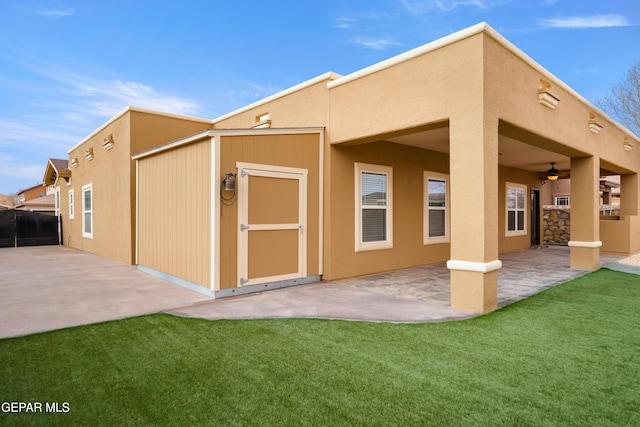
pixel 376 43
pixel 37 133
pixel 448 5
pixel 580 22
pixel 419 7
pixel 78 94
pixel 58 10
pixel 67 11
pixel 587 71
pixel 109 97
pixel 255 91
pixel 344 22
pixel 25 172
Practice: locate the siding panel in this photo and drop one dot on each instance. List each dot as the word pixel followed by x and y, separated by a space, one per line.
pixel 174 213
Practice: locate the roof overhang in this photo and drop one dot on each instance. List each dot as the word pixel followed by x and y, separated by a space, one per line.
pixel 52 174
pixel 466 33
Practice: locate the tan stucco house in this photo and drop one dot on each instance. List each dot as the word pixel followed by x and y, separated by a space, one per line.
pixel 431 156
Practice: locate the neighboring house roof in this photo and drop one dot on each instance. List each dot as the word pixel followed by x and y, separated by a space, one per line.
pixel 56 168
pixel 37 186
pixel 44 203
pixel 31 193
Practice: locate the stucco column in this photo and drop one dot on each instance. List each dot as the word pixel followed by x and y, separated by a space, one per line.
pixel 585 222
pixel 630 203
pixel 473 164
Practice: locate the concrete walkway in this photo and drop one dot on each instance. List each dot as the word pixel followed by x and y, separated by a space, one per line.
pixel 51 287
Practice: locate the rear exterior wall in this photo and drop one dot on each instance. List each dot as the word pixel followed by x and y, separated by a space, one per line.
pixel 111 173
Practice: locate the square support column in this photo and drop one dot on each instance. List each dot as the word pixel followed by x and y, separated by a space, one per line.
pixel 630 203
pixel 585 215
pixel 473 163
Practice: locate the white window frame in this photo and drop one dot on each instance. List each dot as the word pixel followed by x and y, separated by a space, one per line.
pixel 517 209
pixel 57 202
pixel 427 240
pixel 555 200
pixel 85 188
pixel 382 244
pixel 71 203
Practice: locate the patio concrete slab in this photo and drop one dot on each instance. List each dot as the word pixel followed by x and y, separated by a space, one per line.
pixel 523 273
pixel 51 287
pixel 327 301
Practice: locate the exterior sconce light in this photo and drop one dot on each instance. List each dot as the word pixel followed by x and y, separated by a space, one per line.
pixel 263 121
pixel 228 184
pixel 74 162
pixel 552 174
pixel 545 97
pixel 89 154
pixel 108 142
pixel 594 126
pixel 229 181
pixel 627 144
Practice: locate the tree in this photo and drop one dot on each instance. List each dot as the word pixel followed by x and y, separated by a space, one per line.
pixel 623 102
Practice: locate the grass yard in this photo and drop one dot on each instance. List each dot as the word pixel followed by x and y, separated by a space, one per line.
pixel 567 356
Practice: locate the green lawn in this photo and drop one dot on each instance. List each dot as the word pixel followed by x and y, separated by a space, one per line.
pixel 568 356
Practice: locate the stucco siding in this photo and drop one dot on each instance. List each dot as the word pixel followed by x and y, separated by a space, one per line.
pixel 307 107
pixel 429 88
pixel 109 174
pixel 409 164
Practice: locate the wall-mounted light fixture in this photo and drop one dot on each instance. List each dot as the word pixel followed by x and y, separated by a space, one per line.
pixel 552 174
pixel 108 142
pixel 228 184
pixel 89 154
pixel 546 97
pixel 627 144
pixel 594 126
pixel 229 181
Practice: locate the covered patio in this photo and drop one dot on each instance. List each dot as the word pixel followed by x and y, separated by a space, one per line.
pixel 523 273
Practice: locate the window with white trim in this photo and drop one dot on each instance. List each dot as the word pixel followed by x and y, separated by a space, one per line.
pixel 562 201
pixel 87 211
pixel 374 207
pixel 516 209
pixel 57 205
pixel 71 211
pixel 436 208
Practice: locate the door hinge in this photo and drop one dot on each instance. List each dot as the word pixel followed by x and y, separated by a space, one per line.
pixel 243 227
pixel 301 227
pixel 244 173
pixel 243 281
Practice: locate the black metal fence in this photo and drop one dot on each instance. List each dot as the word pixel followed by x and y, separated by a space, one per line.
pixel 24 228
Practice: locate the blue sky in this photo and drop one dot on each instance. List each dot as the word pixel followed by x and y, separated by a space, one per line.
pixel 67 66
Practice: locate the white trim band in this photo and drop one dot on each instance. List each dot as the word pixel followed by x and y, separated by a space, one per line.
pixel 478 267
pixel 579 244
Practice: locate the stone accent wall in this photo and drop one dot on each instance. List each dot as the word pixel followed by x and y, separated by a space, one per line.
pixel 556 225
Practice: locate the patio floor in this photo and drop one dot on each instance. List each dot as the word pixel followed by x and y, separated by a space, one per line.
pixel 523 273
